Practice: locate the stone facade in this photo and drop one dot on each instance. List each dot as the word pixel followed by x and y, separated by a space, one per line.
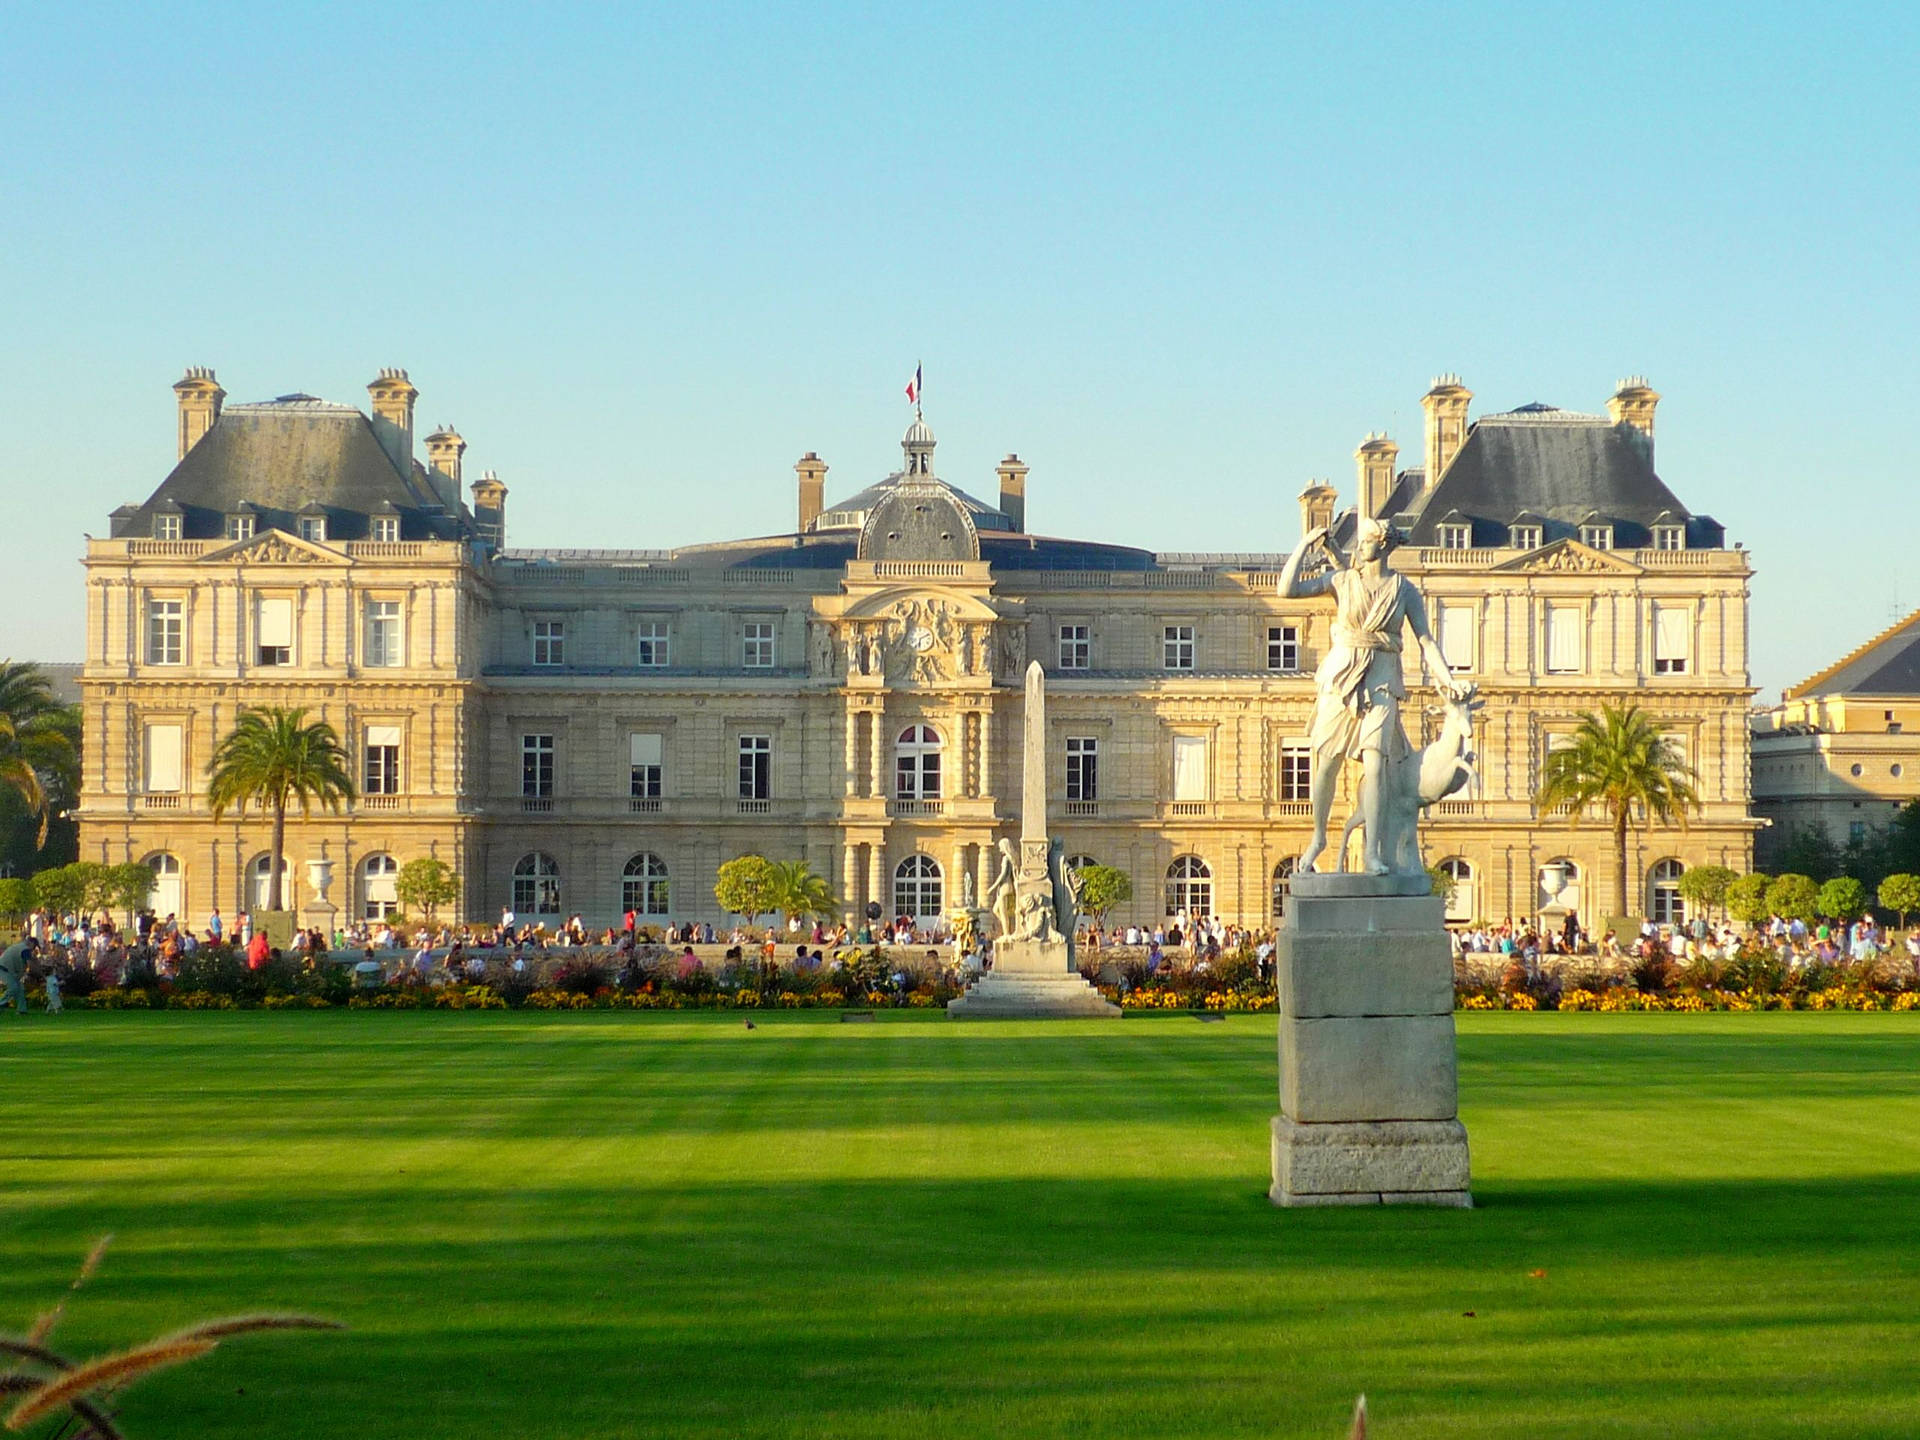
pixel 582 731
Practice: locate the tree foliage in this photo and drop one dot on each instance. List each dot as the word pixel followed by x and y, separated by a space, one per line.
pixel 798 893
pixel 1705 886
pixel 747 886
pixel 424 884
pixel 1747 899
pixel 1793 897
pixel 39 745
pixel 1841 898
pixel 1620 760
pixel 16 897
pixel 1101 888
pixel 1900 893
pixel 273 758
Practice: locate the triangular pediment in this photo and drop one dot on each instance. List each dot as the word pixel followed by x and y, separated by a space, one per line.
pixel 273 547
pixel 1569 557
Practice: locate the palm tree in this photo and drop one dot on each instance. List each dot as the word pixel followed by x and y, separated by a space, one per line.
pixel 39 742
pixel 1624 762
pixel 799 892
pixel 271 757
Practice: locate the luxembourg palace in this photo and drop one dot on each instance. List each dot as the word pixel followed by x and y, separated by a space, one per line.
pixel 592 730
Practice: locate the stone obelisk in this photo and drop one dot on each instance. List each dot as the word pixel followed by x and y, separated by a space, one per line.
pixel 1034 971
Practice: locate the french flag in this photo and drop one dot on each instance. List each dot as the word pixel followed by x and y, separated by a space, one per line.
pixel 913 387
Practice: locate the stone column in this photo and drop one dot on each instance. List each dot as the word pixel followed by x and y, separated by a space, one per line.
pixel 955 874
pixel 878 775
pixel 876 863
pixel 986 751
pixel 850 878
pixel 852 762
pixel 983 875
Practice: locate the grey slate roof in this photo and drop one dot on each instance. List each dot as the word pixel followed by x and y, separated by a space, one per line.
pixel 832 550
pixel 283 456
pixel 1888 664
pixel 1560 468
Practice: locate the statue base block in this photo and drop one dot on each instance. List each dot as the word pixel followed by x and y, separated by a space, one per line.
pixel 1368 1092
pixel 1032 980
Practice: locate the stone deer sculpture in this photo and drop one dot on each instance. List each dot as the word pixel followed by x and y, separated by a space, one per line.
pixel 1433 773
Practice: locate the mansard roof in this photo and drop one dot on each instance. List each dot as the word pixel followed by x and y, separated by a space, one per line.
pixel 1888 664
pixel 832 550
pixel 288 456
pixel 1564 467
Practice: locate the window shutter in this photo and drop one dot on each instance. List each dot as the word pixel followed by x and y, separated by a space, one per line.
pixel 1189 767
pixel 645 749
pixel 1672 627
pixel 1456 636
pixel 1563 637
pixel 163 759
pixel 276 623
pixel 386 736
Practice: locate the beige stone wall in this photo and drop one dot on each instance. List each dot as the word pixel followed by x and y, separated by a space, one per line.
pixel 1846 764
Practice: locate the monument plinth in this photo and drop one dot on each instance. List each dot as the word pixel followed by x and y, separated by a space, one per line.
pixel 1034 895
pixel 1369 1095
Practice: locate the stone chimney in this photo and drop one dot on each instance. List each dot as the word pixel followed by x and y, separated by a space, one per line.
pixel 1316 506
pixel 1377 458
pixel 1013 491
pixel 490 510
pixel 1633 403
pixel 812 471
pixel 200 396
pixel 1446 405
pixel 393 396
pixel 444 449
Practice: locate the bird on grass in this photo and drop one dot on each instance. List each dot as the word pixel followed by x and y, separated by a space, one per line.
pixel 750 1025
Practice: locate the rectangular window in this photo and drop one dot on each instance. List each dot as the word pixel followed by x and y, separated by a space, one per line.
pixel 1564 623
pixel 1456 635
pixel 549 642
pixel 1456 537
pixel 756 645
pixel 1076 648
pixel 239 527
pixel 1669 537
pixel 1177 647
pixel 166 632
pixel 643 753
pixel 1856 832
pixel 313 527
pixel 536 766
pixel 166 525
pixel 655 647
pixel 1083 768
pixel 164 760
pixel 383 633
pixel 1296 770
pixel 1189 767
pixel 273 631
pixel 1672 639
pixel 756 767
pixel 382 770
pixel 1283 647
pixel 1600 537
pixel 386 528
pixel 1526 537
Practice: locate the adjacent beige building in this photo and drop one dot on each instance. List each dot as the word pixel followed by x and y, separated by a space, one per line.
pixel 595 730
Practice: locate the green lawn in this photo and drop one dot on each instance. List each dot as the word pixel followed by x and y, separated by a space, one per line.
pixel 627 1224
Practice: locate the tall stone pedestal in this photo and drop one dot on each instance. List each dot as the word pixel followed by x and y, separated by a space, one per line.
pixel 1031 980
pixel 1368 1089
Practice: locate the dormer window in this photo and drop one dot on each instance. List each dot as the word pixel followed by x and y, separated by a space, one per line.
pixel 1525 537
pixel 166 525
pixel 313 527
pixel 1456 537
pixel 386 528
pixel 1597 535
pixel 239 527
pixel 1669 537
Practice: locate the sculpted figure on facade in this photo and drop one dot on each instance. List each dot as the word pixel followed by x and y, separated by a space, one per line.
pixel 1359 689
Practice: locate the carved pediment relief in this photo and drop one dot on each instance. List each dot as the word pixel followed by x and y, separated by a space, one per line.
pixel 275 547
pixel 918 639
pixel 1569 557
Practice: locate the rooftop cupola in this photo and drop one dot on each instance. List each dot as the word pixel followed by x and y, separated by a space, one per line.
pixel 918 445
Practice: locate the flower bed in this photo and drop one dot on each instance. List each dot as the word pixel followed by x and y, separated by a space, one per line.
pixel 1615 1001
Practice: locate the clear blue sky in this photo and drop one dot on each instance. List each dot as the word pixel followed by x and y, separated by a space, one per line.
pixel 1182 259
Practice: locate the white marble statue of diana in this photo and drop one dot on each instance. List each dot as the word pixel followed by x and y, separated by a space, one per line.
pixel 1360 684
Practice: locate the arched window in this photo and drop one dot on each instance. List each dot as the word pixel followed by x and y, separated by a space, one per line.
pixel 379 896
pixel 916 764
pixel 917 890
pixel 1560 888
pixel 1190 888
pixel 1664 905
pixel 1080 862
pixel 257 884
pixel 1282 885
pixel 1462 903
pixel 536 885
pixel 167 896
pixel 643 885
